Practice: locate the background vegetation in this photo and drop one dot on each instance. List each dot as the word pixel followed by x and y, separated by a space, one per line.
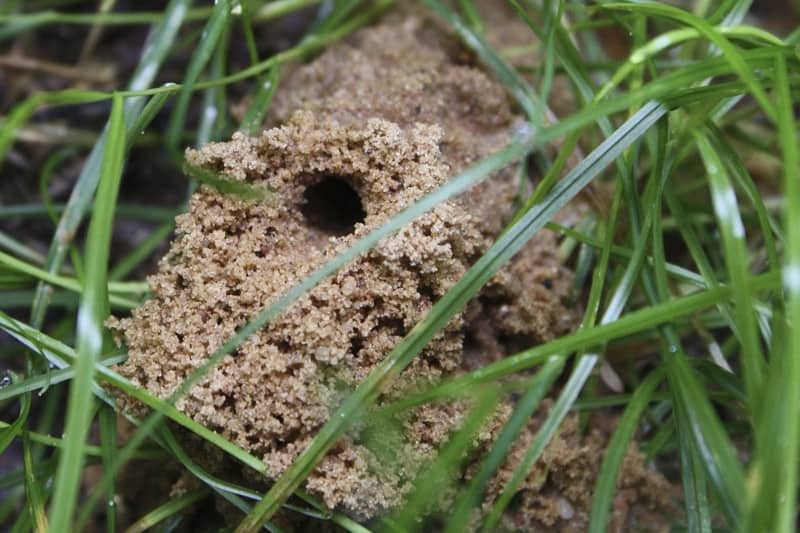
pixel 686 116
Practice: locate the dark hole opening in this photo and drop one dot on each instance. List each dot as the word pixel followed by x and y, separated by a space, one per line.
pixel 333 206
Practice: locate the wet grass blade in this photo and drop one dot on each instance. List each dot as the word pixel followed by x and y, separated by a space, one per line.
pixel 253 121
pixel 523 410
pixel 606 483
pixel 90 332
pixel 225 185
pixel 108 445
pixel 166 510
pixel 772 499
pixel 212 32
pixel 736 258
pixel 729 51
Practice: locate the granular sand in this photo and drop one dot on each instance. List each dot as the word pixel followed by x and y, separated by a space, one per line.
pixel 361 132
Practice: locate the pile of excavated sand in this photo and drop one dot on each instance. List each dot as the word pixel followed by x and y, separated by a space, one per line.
pixel 363 131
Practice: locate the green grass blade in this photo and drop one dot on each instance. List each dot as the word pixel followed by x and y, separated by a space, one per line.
pixel 693 476
pixel 730 52
pixel 212 32
pixel 108 444
pixel 523 409
pixel 772 501
pixel 166 510
pixel 91 315
pixel 226 185
pixel 33 490
pixel 557 414
pixel 10 432
pixel 253 121
pixel 737 260
pixel 615 452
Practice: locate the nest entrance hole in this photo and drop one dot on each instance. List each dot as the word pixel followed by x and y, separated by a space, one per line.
pixel 332 206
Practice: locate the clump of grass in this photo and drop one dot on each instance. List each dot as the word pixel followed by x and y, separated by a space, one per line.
pixel 692 270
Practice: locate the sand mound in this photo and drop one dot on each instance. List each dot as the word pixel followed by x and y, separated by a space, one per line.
pixel 363 131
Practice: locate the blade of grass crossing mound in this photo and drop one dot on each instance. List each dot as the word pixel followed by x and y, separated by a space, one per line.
pixel 738 263
pixel 505 247
pixel 585 364
pixel 615 451
pixel 436 477
pixel 156 48
pixel 560 410
pixel 773 477
pixel 212 32
pixel 62 356
pixel 91 315
pixel 523 409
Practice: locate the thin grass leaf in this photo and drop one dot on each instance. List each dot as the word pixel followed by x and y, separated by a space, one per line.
pixel 436 477
pixel 22 112
pixel 694 480
pixel 548 429
pixel 108 444
pixel 166 510
pixel 737 260
pixel 615 451
pixel 729 52
pixel 21 267
pixel 212 32
pixel 225 185
pixel 523 409
pixel 773 476
pixel 41 381
pixel 10 432
pixel 34 492
pixel 91 315
pixel 150 110
pixel 708 437
pixel 142 251
pixel 253 121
